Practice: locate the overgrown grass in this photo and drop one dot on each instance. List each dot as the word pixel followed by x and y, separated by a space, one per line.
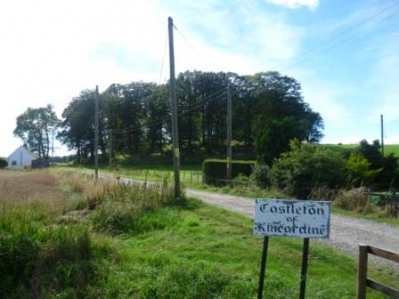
pixel 134 243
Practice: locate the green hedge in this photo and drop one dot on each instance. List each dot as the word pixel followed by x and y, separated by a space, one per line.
pixel 214 171
pixel 3 163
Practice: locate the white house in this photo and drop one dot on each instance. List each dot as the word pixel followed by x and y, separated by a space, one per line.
pixel 21 157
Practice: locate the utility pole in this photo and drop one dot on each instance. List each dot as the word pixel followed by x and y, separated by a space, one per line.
pixel 175 137
pixel 52 142
pixel 229 134
pixel 96 135
pixel 382 135
pixel 111 158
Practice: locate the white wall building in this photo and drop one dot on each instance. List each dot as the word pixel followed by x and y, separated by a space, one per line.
pixel 20 158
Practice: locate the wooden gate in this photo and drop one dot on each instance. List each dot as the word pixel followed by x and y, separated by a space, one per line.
pixel 363 281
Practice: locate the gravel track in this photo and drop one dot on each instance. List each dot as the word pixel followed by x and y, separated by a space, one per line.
pixel 346 233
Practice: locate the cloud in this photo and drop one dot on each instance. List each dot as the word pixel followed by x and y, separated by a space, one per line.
pixel 248 32
pixel 293 4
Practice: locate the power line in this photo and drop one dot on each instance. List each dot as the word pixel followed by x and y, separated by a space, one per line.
pixel 191 46
pixel 348 30
pixel 163 60
pixel 345 39
pixel 196 105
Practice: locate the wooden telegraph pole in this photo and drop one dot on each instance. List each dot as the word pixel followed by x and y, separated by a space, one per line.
pixel 175 137
pixel 96 135
pixel 382 135
pixel 229 134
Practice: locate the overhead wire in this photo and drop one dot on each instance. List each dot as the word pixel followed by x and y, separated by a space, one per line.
pixel 220 93
pixel 191 46
pixel 345 39
pixel 348 30
pixel 196 105
pixel 163 60
pixel 193 106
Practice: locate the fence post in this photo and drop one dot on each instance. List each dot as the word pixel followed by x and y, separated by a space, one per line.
pixel 362 272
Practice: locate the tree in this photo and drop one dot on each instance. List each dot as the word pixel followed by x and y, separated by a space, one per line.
pixel 157 112
pixel 281 115
pixel 244 93
pixel 35 127
pixel 189 112
pixel 210 93
pixel 78 125
pixel 126 107
pixel 386 167
pixel 273 139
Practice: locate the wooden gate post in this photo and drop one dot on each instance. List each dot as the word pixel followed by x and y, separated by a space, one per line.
pixel 362 272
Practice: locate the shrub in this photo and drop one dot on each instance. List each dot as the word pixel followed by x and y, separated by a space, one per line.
pixel 214 170
pixel 261 175
pixel 306 167
pixel 359 169
pixel 3 163
pixel 385 167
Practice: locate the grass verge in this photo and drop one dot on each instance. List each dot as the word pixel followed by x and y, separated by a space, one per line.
pixel 133 243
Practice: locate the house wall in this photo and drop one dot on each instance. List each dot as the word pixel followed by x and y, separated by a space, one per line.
pixel 20 158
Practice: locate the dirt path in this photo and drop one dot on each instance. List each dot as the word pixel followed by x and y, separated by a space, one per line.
pixel 346 233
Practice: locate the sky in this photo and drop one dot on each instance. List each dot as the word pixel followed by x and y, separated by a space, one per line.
pixel 343 53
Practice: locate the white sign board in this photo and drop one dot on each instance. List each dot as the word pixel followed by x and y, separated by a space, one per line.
pixel 292 218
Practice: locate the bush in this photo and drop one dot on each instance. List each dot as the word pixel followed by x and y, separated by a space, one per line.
pixel 307 167
pixel 3 163
pixel 215 170
pixel 359 169
pixel 261 175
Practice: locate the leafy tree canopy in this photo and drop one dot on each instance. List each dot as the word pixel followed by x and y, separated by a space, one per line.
pixel 267 111
pixel 281 116
pixel 35 127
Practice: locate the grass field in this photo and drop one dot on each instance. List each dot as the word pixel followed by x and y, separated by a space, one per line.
pixel 388 148
pixel 63 235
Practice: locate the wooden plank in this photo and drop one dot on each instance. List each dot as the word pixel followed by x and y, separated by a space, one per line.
pixel 386 254
pixel 382 288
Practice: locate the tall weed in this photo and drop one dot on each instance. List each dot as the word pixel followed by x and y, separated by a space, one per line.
pixel 353 200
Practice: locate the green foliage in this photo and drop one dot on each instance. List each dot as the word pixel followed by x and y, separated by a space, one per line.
pixel 37 262
pixel 134 118
pixel 261 175
pixel 282 115
pixel 34 127
pixel 274 138
pixel 117 219
pixel 359 169
pixel 307 167
pixel 3 163
pixel 77 128
pixel 18 253
pixel 386 167
pixel 193 250
pixel 215 170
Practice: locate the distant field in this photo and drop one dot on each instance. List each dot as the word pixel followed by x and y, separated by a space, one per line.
pixel 388 148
